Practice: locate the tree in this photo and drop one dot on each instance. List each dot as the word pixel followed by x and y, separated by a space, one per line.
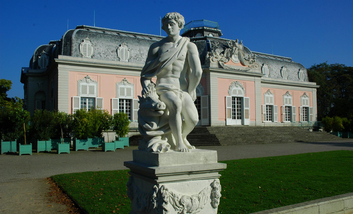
pixel 335 95
pixel 12 116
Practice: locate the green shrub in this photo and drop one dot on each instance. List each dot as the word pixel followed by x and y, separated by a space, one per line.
pixel 63 125
pixel 346 125
pixel 327 122
pixel 42 125
pixel 81 124
pixel 12 121
pixel 337 125
pixel 121 124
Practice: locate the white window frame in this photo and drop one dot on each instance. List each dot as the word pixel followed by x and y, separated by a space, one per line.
pixel 305 104
pixel 288 102
pixel 126 91
pixel 237 91
pixel 269 101
pixel 87 87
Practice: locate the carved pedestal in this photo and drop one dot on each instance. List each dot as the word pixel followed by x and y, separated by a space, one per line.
pixel 174 182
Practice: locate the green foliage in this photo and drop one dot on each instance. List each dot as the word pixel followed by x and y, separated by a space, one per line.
pixel 337 124
pixel 335 95
pixel 346 125
pixel 42 125
pixel 81 124
pixel 248 185
pixel 89 124
pixel 121 124
pixel 12 115
pixel 63 125
pixel 327 122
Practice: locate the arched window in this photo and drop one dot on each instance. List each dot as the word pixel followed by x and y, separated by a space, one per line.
pixel 306 112
pixel 269 109
pixel 288 110
pixel 237 105
pixel 87 95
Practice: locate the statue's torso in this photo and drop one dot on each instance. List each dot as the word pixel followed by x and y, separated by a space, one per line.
pixel 171 74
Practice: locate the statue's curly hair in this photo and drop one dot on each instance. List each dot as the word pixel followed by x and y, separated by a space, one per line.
pixel 174 16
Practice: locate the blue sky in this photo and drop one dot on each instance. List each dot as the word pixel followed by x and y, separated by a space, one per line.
pixel 308 31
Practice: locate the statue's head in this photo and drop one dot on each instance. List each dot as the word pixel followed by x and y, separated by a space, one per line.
pixel 177 17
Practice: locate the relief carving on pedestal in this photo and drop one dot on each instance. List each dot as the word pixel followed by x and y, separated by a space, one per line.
pixel 159 197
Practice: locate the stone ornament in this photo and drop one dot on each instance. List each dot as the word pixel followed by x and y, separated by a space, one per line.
pixel 234 51
pixel 123 53
pixel 86 48
pixel 236 89
pixel 159 197
pixel 265 70
pixel 301 75
pixel 284 72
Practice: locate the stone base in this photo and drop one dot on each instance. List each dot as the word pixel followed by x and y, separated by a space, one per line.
pixel 174 182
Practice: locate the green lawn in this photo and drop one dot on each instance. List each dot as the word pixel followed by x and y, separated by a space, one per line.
pixel 248 185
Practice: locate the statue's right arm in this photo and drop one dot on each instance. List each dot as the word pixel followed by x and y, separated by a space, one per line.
pixel 152 54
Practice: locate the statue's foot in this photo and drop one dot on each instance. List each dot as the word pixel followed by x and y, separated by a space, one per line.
pixel 182 148
pixel 188 145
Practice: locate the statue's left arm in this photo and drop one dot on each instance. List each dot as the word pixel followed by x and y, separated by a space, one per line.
pixel 195 72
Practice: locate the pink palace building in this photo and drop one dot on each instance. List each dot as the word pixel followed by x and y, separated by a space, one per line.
pixel 92 67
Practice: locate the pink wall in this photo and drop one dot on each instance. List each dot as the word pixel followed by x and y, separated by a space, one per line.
pixel 223 87
pixel 106 86
pixel 278 98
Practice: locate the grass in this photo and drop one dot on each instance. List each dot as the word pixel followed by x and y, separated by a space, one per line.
pixel 248 185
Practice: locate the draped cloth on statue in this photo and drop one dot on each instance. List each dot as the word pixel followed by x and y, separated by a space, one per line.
pixel 155 128
pixel 153 67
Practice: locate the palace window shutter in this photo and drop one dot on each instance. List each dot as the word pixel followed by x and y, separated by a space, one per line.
pixel 263 113
pixel 301 113
pixel 76 103
pixel 283 113
pixel 136 106
pixel 204 110
pixel 310 114
pixel 228 109
pixel 92 90
pixel 128 92
pixel 275 113
pixel 99 103
pixel 115 106
pixel 294 115
pixel 246 111
pixel 84 91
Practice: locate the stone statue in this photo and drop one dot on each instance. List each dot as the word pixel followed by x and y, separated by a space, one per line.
pixel 167 111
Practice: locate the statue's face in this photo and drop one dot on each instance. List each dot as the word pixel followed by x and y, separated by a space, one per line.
pixel 171 27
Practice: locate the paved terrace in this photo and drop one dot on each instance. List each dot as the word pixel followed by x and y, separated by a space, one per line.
pixel 23 187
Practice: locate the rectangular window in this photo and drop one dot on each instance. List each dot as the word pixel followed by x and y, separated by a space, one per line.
pixel 288 113
pixel 237 108
pixel 125 106
pixel 305 114
pixel 269 113
pixel 87 103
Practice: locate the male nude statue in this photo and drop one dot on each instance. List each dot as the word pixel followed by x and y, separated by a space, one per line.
pixel 175 62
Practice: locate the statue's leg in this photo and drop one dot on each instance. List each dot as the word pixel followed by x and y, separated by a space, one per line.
pixel 174 105
pixel 191 118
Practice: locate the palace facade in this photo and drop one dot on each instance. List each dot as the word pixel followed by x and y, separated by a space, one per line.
pixel 92 67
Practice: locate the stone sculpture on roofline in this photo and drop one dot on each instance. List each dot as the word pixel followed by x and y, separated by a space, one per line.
pixel 167 111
